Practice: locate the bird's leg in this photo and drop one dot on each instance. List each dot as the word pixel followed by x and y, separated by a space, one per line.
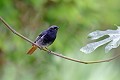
pixel 47 50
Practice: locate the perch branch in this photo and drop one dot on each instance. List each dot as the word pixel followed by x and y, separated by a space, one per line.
pixel 54 53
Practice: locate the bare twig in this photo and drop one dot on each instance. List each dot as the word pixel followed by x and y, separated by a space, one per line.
pixel 54 53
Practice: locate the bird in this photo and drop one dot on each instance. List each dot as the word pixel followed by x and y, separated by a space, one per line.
pixel 45 38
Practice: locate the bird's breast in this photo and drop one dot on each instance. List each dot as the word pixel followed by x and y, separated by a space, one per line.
pixel 47 39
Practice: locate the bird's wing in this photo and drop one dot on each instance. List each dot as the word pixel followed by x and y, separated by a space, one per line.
pixel 41 34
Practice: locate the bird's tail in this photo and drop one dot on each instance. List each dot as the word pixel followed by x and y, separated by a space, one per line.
pixel 34 47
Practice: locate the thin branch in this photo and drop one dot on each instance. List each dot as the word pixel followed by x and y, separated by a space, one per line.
pixel 54 53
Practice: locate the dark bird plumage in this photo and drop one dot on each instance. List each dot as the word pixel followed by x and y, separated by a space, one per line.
pixel 45 38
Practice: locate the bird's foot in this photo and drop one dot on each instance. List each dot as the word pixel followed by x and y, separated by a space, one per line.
pixel 45 48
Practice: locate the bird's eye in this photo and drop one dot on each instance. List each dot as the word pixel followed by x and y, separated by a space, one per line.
pixel 55 28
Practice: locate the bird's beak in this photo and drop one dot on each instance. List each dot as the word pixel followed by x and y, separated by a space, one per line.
pixel 57 28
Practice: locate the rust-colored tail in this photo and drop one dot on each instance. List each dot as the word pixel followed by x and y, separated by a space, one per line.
pixel 34 47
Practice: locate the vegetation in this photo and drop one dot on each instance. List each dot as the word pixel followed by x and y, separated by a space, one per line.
pixel 76 19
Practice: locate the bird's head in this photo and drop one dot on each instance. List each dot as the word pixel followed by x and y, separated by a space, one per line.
pixel 54 28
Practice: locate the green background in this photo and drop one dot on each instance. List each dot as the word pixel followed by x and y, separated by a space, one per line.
pixel 76 19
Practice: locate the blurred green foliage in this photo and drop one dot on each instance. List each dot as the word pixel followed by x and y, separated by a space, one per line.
pixel 76 18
